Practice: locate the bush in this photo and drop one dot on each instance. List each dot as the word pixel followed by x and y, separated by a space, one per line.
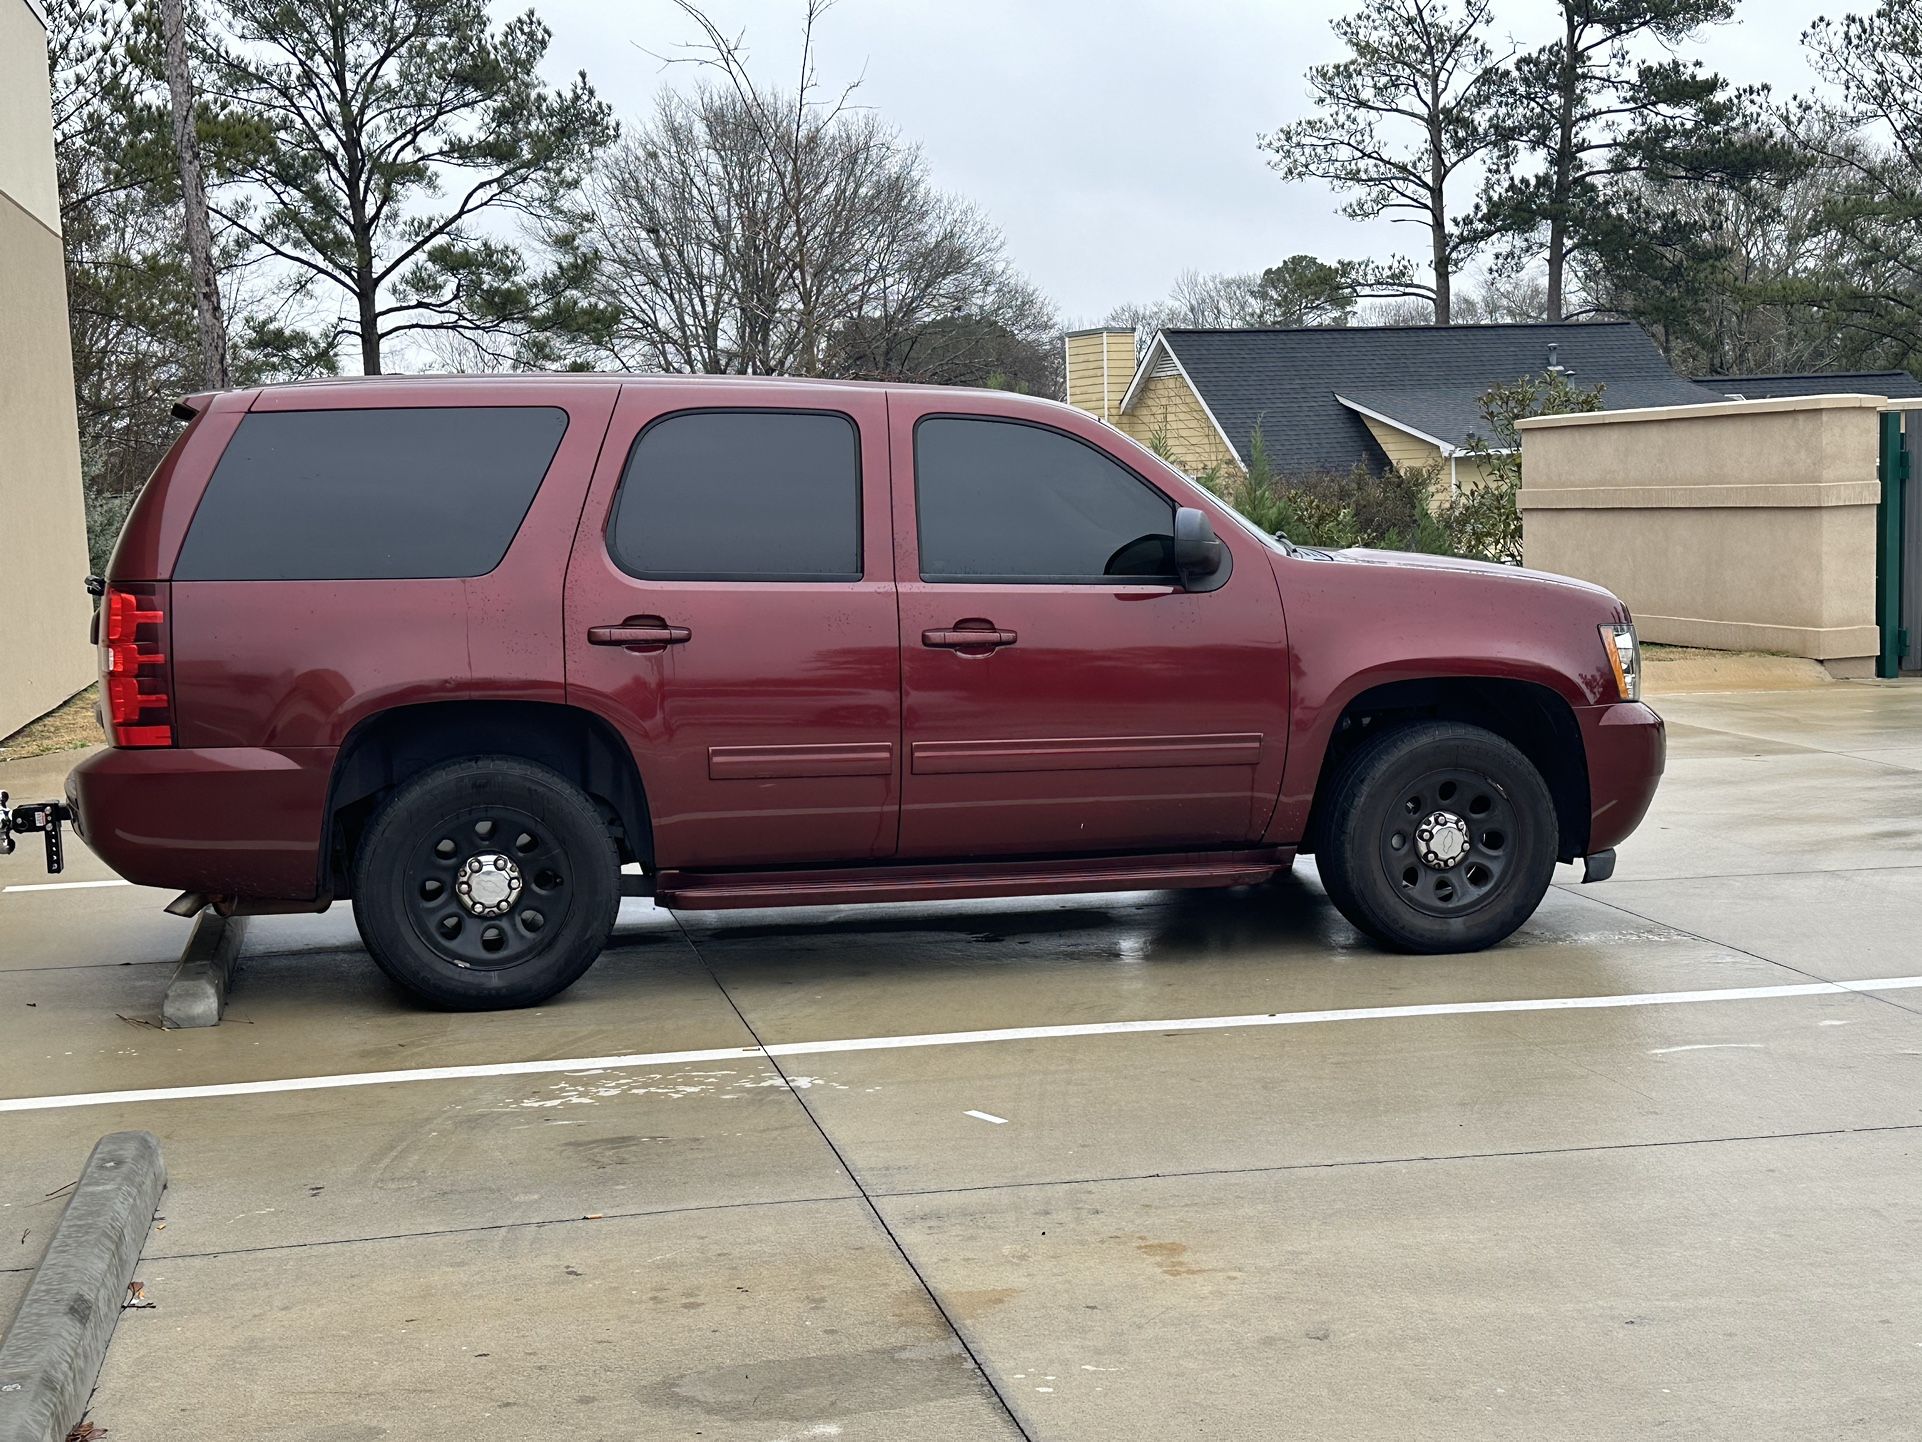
pixel 1408 509
pixel 1336 509
pixel 106 514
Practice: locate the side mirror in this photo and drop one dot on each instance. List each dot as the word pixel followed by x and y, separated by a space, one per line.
pixel 1198 551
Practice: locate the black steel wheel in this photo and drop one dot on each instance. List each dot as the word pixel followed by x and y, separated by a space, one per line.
pixel 1438 836
pixel 486 883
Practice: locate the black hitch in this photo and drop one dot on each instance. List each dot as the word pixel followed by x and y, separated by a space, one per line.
pixel 46 817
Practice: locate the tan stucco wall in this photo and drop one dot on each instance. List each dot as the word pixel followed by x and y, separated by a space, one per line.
pixel 1744 526
pixel 1168 406
pixel 44 655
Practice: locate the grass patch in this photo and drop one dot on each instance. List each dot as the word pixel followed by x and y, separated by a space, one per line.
pixel 68 727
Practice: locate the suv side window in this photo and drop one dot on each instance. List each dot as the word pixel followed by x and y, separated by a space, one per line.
pixel 741 495
pixel 377 494
pixel 1002 500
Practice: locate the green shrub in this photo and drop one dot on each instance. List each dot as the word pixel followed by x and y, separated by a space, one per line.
pixel 1334 509
pixel 106 514
pixel 1408 509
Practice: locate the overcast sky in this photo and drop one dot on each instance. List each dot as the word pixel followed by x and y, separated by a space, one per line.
pixel 1113 141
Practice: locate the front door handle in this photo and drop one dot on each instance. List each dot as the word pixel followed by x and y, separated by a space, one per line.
pixel 967 640
pixel 638 631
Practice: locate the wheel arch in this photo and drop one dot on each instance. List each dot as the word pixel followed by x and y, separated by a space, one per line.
pixel 386 749
pixel 1536 719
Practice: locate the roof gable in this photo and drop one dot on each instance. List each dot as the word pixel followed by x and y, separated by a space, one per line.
pixel 1159 361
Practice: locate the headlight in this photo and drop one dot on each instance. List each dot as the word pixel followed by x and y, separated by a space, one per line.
pixel 1624 658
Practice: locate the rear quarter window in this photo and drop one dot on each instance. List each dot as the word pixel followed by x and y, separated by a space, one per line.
pixel 378 494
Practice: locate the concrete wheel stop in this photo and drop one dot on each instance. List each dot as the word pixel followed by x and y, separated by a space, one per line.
pixel 52 1353
pixel 197 995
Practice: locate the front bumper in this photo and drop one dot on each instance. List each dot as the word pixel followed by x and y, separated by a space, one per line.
pixel 237 821
pixel 1627 747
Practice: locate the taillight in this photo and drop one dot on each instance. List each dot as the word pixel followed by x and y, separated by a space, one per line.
pixel 136 680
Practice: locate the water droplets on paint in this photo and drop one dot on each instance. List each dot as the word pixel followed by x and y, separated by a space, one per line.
pixel 722 1085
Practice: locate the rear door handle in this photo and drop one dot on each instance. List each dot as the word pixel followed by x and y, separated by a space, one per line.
pixel 963 640
pixel 638 631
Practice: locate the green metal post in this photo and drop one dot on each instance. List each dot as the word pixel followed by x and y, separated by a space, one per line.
pixel 1893 470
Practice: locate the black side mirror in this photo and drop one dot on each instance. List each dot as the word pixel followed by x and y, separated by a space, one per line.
pixel 1199 554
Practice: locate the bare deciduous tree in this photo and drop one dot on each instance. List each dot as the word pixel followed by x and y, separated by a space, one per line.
pixel 753 230
pixel 1199 300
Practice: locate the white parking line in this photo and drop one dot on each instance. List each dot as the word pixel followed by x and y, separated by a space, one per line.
pixel 956 1038
pixel 987 1117
pixel 66 885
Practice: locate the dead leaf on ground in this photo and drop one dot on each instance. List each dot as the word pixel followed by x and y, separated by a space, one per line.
pixel 85 1432
pixel 137 1296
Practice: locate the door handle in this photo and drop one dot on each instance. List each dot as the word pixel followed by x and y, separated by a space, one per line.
pixel 967 640
pixel 638 631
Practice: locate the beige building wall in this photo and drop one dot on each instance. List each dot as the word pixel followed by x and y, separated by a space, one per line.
pixel 1099 364
pixel 44 655
pixel 1454 475
pixel 1748 525
pixel 1410 453
pixel 1166 407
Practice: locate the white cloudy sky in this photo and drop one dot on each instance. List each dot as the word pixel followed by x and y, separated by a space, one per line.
pixel 1113 141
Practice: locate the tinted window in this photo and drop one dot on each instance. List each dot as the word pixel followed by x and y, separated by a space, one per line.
pixel 741 496
pixel 367 495
pixel 1000 500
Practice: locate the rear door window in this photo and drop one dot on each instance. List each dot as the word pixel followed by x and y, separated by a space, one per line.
pixel 999 500
pixel 741 495
pixel 351 495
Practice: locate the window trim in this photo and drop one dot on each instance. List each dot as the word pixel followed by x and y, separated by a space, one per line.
pixel 779 578
pixel 1107 582
pixel 240 424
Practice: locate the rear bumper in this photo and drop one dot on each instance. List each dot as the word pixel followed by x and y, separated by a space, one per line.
pixel 1627 747
pixel 236 821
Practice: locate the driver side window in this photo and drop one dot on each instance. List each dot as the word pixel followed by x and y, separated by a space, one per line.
pixel 1002 500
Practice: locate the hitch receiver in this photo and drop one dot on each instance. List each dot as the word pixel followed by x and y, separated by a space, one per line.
pixel 46 817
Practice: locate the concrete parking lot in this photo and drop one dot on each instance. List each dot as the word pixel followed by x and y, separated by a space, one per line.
pixel 1323 1192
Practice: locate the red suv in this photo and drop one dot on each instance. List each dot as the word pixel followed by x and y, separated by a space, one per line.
pixel 484 654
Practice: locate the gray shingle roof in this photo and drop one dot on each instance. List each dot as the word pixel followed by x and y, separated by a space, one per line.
pixel 1428 378
pixel 1898 385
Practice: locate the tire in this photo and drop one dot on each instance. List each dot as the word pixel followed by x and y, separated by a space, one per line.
pixel 1438 837
pixel 541 875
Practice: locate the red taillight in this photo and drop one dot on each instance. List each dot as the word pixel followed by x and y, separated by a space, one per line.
pixel 136 681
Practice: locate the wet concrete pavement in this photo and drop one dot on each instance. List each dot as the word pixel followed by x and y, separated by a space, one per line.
pixel 1695 1218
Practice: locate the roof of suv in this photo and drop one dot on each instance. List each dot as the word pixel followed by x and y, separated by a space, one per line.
pixel 491 380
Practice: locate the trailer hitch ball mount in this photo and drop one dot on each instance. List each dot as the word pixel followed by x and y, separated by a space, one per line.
pixel 45 817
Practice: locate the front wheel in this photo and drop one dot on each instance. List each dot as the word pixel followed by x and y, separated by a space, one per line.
pixel 486 883
pixel 1438 837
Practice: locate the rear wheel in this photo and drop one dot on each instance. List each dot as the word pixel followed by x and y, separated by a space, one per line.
pixel 486 883
pixel 1438 837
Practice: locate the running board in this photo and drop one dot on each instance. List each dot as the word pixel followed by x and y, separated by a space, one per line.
pixel 955 881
